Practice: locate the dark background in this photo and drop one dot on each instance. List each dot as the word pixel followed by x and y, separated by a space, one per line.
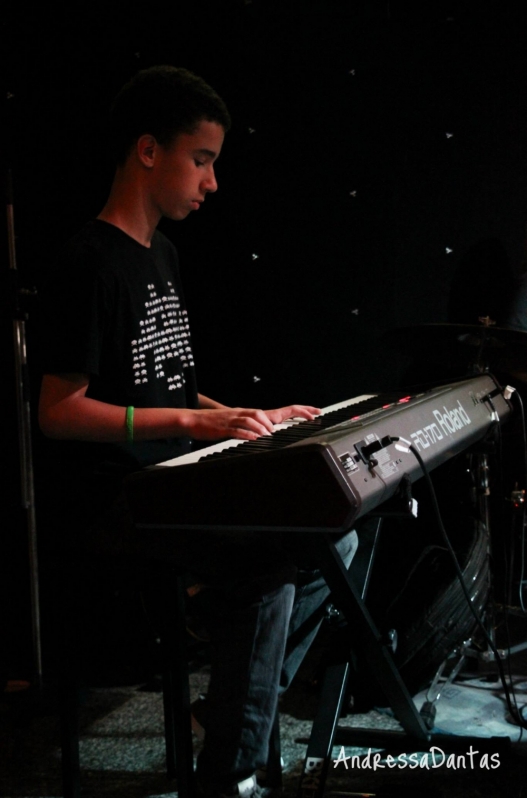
pixel 374 178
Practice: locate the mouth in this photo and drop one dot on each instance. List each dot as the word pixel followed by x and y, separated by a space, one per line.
pixel 196 204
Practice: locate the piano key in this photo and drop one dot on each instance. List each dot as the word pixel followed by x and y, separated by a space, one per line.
pixel 319 482
pixel 303 428
pixel 216 448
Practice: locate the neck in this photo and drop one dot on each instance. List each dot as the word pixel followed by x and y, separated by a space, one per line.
pixel 128 209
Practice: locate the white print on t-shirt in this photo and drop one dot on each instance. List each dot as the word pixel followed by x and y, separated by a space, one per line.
pixel 162 349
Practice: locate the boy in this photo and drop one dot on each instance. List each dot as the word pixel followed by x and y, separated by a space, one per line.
pixel 119 392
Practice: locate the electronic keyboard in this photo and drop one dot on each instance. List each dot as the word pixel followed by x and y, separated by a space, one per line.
pixel 319 475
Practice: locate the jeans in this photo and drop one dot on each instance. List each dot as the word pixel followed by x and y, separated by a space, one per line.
pixel 267 604
pixel 257 649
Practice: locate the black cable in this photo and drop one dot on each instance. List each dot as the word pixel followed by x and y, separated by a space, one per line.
pixel 523 507
pixel 513 709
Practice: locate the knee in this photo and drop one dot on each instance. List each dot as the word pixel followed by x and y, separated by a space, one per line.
pixel 347 547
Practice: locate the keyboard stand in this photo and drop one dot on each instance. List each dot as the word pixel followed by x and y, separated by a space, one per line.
pixel 325 731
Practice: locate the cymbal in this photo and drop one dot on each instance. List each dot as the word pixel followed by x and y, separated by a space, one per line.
pixel 469 334
pixel 498 347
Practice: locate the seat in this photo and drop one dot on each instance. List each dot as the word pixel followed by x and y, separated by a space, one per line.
pixel 174 655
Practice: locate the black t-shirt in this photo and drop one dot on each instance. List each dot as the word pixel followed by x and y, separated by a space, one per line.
pixel 114 310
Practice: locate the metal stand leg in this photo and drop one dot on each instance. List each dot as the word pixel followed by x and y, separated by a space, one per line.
pixel 376 652
pixel 325 727
pixel 332 696
pixel 178 733
pixel 318 755
pixel 69 689
pixel 367 638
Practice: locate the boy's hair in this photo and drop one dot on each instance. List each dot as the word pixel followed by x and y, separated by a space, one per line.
pixel 163 101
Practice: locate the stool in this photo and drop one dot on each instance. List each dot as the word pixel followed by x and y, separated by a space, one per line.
pixel 176 694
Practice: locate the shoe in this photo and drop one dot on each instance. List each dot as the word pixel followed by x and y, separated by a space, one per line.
pixel 248 788
pixel 261 773
pixel 198 712
pixel 198 719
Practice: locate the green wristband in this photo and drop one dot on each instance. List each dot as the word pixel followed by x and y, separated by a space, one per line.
pixel 129 424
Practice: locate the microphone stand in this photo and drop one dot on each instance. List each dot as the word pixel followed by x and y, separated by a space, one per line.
pixel 24 436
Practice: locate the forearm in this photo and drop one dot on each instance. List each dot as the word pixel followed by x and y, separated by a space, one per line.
pixel 205 403
pixel 91 420
pixel 65 412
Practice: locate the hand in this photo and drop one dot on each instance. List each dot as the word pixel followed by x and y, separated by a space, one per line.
pixel 239 422
pixel 292 411
pixel 229 422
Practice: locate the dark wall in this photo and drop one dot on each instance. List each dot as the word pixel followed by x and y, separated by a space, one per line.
pixel 374 177
pixel 373 149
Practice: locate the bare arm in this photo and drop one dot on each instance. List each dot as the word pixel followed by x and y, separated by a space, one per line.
pixel 206 403
pixel 275 416
pixel 66 412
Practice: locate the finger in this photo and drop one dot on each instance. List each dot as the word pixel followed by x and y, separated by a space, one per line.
pixel 305 411
pixel 254 421
pixel 258 417
pixel 293 411
pixel 244 434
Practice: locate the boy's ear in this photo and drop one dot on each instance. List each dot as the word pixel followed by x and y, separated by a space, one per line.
pixel 146 149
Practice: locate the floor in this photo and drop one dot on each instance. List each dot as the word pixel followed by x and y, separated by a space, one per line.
pixel 122 739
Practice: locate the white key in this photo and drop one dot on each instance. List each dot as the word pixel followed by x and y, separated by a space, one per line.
pixel 194 457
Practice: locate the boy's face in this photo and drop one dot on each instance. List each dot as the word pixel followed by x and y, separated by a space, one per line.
pixel 183 172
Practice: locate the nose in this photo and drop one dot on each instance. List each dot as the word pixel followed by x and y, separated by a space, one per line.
pixel 209 183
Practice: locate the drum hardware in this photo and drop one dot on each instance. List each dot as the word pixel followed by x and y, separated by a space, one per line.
pixel 517 499
pixel 434 692
pixel 497 349
pixel 25 449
